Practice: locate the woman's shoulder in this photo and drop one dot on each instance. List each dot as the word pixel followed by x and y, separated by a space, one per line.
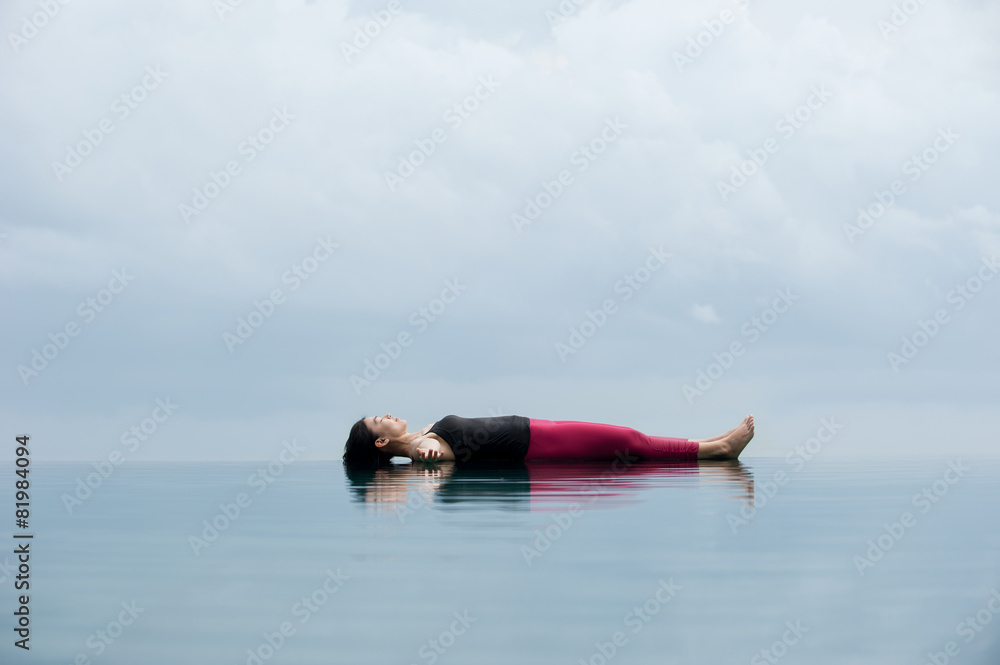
pixel 450 419
pixel 428 428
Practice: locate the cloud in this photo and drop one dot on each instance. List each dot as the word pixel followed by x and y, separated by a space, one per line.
pixel 705 314
pixel 325 174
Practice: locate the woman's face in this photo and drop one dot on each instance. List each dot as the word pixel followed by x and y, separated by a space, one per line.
pixel 386 426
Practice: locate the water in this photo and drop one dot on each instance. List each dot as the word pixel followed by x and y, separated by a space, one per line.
pixel 548 563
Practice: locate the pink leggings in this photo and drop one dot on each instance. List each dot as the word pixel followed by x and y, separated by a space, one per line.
pixel 572 439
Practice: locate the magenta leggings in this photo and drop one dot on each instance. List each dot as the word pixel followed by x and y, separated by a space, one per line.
pixel 572 439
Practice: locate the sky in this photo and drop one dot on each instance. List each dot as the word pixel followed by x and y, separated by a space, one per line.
pixel 227 226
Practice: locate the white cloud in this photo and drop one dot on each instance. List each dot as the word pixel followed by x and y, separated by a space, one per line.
pixel 705 314
pixel 326 175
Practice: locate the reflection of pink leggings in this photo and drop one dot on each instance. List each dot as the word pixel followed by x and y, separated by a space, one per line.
pixel 571 439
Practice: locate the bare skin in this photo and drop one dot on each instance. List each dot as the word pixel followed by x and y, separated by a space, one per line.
pixel 397 442
pixel 721 436
pixel 393 438
pixel 730 444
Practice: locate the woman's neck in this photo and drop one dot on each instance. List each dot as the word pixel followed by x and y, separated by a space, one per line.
pixel 403 446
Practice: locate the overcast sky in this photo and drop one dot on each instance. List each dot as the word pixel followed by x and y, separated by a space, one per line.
pixel 475 178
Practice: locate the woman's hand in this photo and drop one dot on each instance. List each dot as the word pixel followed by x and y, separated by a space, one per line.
pixel 432 452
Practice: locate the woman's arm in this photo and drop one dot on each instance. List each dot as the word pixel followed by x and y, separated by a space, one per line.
pixel 431 448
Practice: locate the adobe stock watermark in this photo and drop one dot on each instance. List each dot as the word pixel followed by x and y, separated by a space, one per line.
pixel 473 439
pixel 304 609
pixel 370 30
pixel 419 320
pixel 630 284
pixel 130 439
pixel 435 647
pixel 752 330
pixel 915 167
pixel 928 329
pixel 456 115
pixel 33 23
pixel 786 127
pixel 969 629
pixel 7 569
pixel 545 537
pixel 700 42
pixel 924 500
pixel 635 619
pixel 563 12
pixel 225 7
pixel 582 158
pixel 249 148
pixel 100 640
pixel 294 278
pixel 420 499
pixel 122 107
pixel 796 458
pixel 901 14
pixel 87 311
pixel 229 513
pixel 424 498
pixel 780 647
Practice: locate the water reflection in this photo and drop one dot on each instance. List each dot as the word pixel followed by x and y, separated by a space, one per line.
pixel 465 538
pixel 537 485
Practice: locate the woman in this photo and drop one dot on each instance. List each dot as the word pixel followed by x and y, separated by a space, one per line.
pixel 376 439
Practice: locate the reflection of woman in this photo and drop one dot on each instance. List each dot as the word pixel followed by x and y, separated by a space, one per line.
pixel 533 485
pixel 500 484
pixel 376 439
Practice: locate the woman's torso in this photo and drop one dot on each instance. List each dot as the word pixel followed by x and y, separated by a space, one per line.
pixel 490 438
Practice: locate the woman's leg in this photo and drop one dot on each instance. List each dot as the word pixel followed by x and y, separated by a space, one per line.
pixel 572 439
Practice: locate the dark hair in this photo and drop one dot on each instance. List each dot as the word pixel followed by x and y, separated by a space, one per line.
pixel 361 478
pixel 361 448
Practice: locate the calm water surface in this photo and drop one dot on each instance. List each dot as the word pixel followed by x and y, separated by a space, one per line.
pixel 840 562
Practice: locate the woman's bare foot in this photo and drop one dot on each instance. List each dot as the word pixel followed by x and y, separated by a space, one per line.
pixel 716 438
pixel 729 445
pixel 739 439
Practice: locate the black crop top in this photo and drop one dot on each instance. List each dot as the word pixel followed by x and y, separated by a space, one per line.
pixel 493 438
